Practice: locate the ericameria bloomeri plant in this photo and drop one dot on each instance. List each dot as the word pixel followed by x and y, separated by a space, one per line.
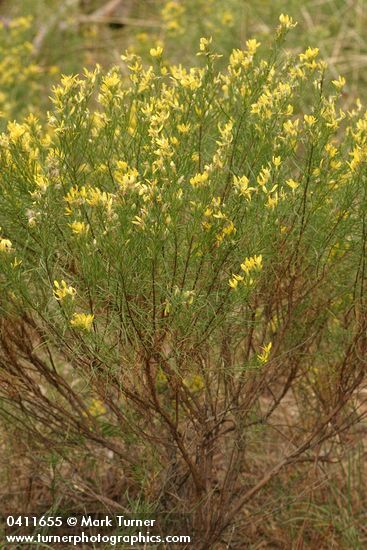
pixel 183 252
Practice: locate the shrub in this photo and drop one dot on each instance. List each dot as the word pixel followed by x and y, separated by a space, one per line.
pixel 182 256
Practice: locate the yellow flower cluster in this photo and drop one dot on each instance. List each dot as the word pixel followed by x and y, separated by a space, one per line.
pixel 263 357
pixel 5 245
pixel 250 265
pixel 62 291
pixel 82 321
pixel 79 228
pixel 199 179
pixel 93 196
pixel 241 184
pixel 97 408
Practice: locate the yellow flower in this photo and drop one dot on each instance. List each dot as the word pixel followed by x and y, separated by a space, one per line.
pixel 204 43
pixel 96 197
pixel 331 150
pixel 241 185
pixel 226 134
pixel 83 321
pixel 252 263
pixel 292 184
pixel 272 200
pixel 97 408
pixel 111 81
pixel 291 128
pixel 63 290
pixel 5 245
pixel 358 155
pixel 227 230
pixel 335 164
pixel 156 52
pixel 199 179
pixel 309 55
pixel 16 131
pixel 286 21
pixel 309 59
pixel 233 282
pixel 236 58
pixel 264 356
pixel 276 161
pixel 339 83
pixel 183 128
pixel 79 228
pixel 310 120
pixel 264 177
pixel 252 45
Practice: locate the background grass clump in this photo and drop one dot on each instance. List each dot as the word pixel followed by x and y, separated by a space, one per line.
pixel 182 254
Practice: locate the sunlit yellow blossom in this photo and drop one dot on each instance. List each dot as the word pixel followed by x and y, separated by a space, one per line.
pixel 82 321
pixel 225 134
pixel 5 245
pixel 199 179
pixel 79 228
pixel 191 80
pixel 292 184
pixel 96 197
pixel 335 164
pixel 339 83
pixel 139 222
pixel 277 161
pixel 308 58
pixel 297 72
pixel 156 52
pixel 264 177
pixel 252 46
pixel 236 58
pixel 16 130
pixel 291 128
pixel 272 200
pixel 252 263
pixel 358 155
pixel 309 54
pixel 310 120
pixel 111 81
pixel 62 291
pixel 126 177
pixel 286 21
pixel 233 282
pixel 183 128
pixel 227 230
pixel 76 195
pixel 264 104
pixel 241 185
pixel 204 43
